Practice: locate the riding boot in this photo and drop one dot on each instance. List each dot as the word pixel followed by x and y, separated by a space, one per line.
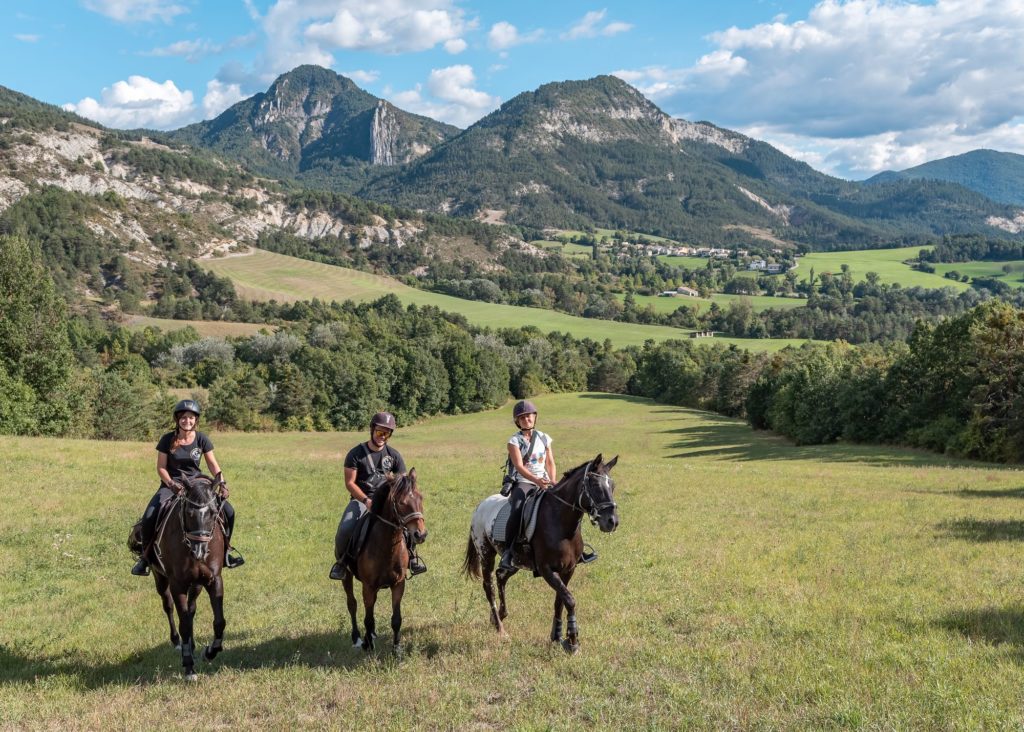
pixel 141 568
pixel 416 565
pixel 232 559
pixel 338 571
pixel 589 555
pixel 508 560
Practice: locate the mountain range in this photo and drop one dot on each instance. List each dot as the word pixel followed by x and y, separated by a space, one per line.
pixel 577 154
pixel 996 175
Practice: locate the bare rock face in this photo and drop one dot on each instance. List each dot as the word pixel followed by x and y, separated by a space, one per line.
pixel 383 135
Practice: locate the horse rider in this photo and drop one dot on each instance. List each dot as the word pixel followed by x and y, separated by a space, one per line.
pixel 531 466
pixel 178 455
pixel 367 466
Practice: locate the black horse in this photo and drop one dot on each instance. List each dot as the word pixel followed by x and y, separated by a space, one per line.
pixel 189 555
pixel 556 544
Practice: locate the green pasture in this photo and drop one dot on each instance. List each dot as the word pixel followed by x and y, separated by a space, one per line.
pixel 565 248
pixel 666 305
pixel 609 233
pixel 888 263
pixel 205 328
pixel 1014 278
pixel 264 275
pixel 751 585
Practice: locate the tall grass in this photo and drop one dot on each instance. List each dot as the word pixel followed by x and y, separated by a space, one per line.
pixel 752 584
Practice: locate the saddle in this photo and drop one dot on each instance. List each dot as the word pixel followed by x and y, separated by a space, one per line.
pixel 502 533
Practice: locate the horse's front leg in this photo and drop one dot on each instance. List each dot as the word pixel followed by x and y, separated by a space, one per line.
pixel 186 607
pixel 397 591
pixel 369 599
pixel 558 583
pixel 350 601
pixel 556 623
pixel 216 592
pixel 168 603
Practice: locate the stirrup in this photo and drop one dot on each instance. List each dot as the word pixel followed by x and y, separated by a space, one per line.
pixel 232 560
pixel 588 556
pixel 141 568
pixel 338 571
pixel 416 565
pixel 508 560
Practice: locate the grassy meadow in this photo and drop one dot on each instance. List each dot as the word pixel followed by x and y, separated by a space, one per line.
pixel 1015 278
pixel 888 263
pixel 205 328
pixel 264 275
pixel 668 305
pixel 751 585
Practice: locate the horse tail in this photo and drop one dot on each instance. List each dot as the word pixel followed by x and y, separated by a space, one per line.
pixel 471 567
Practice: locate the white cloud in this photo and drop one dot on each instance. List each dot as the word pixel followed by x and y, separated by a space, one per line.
pixel 138 102
pixel 589 26
pixel 135 11
pixel 455 46
pixel 363 77
pixel 27 37
pixel 505 35
pixel 389 26
pixel 451 97
pixel 219 96
pixel 200 48
pixel 863 84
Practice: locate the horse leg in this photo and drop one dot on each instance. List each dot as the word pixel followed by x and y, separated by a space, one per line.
pixel 168 604
pixel 186 613
pixel 369 599
pixel 487 570
pixel 216 593
pixel 556 624
pixel 503 578
pixel 396 616
pixel 350 600
pixel 557 582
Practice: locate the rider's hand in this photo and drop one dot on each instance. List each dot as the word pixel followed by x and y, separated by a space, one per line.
pixel 177 487
pixel 369 502
pixel 223 490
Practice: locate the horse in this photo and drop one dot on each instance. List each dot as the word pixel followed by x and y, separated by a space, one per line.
pixel 556 544
pixel 396 524
pixel 189 552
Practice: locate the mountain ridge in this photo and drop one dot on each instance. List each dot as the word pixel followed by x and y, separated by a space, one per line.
pixel 994 174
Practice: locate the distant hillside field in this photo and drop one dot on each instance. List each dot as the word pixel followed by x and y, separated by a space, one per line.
pixel 1015 278
pixel 758 302
pixel 888 263
pixel 264 275
pixel 751 584
pixel 203 327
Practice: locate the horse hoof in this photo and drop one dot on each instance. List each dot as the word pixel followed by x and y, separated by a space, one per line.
pixel 177 646
pixel 357 643
pixel 210 653
pixel 192 676
pixel 571 649
pixel 399 652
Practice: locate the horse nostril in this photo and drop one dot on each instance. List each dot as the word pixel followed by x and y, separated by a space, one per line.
pixel 421 536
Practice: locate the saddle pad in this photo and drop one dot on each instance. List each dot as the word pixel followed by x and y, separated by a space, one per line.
pixel 500 528
pixel 362 530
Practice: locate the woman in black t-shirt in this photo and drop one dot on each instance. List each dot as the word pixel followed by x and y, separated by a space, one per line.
pixel 178 455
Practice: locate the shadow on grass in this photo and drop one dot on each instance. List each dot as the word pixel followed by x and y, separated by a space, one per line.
pixel 162 662
pixel 991 493
pixel 997 626
pixel 983 530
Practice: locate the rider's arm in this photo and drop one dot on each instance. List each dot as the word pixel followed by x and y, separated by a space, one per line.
pixel 517 462
pixel 549 465
pixel 354 490
pixel 161 468
pixel 211 462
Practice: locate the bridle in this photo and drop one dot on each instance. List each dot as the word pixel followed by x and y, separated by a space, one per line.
pixel 403 519
pixel 594 509
pixel 190 537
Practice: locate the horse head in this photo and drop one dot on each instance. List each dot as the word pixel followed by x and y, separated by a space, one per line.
pixel 597 494
pixel 199 510
pixel 405 504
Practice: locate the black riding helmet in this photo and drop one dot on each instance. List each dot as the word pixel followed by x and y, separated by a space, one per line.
pixel 385 420
pixel 522 407
pixel 187 405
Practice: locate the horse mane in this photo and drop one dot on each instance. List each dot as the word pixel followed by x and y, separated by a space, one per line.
pixel 397 484
pixel 567 475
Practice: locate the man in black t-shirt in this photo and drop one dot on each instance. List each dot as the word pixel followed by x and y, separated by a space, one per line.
pixel 367 466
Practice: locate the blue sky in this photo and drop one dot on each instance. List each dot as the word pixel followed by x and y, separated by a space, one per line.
pixel 852 87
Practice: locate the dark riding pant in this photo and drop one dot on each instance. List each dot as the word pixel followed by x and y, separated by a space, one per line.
pixel 515 518
pixel 349 518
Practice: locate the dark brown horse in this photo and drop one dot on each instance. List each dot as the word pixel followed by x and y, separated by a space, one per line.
pixel 556 545
pixel 189 554
pixel 396 523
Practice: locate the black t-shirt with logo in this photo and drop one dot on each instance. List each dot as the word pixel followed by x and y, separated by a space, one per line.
pixel 184 459
pixel 371 467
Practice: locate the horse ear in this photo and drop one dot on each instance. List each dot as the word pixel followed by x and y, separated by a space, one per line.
pixel 595 462
pixel 412 474
pixel 611 463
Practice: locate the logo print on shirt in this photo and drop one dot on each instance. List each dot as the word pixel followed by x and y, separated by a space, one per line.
pixel 386 463
pixel 196 454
